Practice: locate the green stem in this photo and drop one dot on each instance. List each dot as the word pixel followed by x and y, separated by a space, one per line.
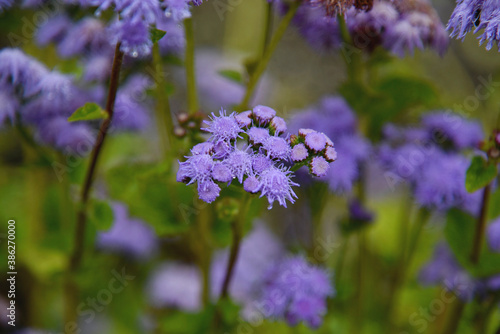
pixel 262 64
pixel 457 308
pixel 237 228
pixel 79 236
pixel 190 67
pixel 350 53
pixel 163 112
pixel 480 225
pixel 269 26
pixel 423 216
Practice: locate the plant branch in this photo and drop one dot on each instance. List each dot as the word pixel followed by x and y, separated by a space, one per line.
pixel 480 225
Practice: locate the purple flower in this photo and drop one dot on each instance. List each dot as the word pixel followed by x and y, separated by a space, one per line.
pixel 319 166
pixel 174 40
pixel 358 213
pixel 134 37
pixel 449 127
pixel 296 291
pixel 178 10
pixel 278 125
pixel 76 138
pixel 240 164
pixel 277 148
pixel 259 250
pixel 315 141
pixel 131 111
pixel 276 185
pixel 128 235
pixel 260 163
pixel 222 127
pixel 445 270
pixel 98 67
pixel 88 35
pixel 263 115
pixel 493 235
pixel 5 4
pixel 330 154
pixel 53 30
pixel 197 168
pixel 175 285
pixel 221 172
pixel 251 184
pixel 9 105
pixel 20 71
pixel 203 148
pixel 244 119
pixel 258 135
pixel 299 153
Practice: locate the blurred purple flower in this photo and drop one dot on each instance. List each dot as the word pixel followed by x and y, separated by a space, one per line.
pixel 493 235
pixel 175 285
pixel 128 235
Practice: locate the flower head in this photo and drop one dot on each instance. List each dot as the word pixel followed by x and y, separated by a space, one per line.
pixel 276 185
pixel 222 127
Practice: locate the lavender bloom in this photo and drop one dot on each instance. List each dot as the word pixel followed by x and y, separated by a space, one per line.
pixel 88 35
pixel 98 67
pixel 134 37
pixel 128 235
pixel 258 168
pixel 222 127
pixel 296 291
pixel 477 15
pixel 394 25
pixel 493 235
pixel 275 183
pixel 175 285
pixel 174 40
pixel 18 70
pixel 131 112
pixel 299 153
pixel 54 30
pixel 178 10
pixel 445 270
pixel 461 133
pixel 259 250
pixel 68 137
pixel 9 105
pixel 319 166
pixel 352 150
pixel 5 4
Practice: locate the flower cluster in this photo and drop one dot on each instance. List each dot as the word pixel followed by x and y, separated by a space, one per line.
pixel 128 235
pixel 296 291
pixel 259 167
pixel 397 26
pixel 476 15
pixel 445 270
pixel 430 158
pixel 336 120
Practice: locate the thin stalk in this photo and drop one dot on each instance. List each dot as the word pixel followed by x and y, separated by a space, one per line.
pixel 423 216
pixel 77 254
pixel 350 53
pixel 237 228
pixel 190 67
pixel 269 26
pixel 163 112
pixel 480 226
pixel 456 311
pixel 262 64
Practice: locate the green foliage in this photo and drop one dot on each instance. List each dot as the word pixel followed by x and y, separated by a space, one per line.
pixel 388 98
pixel 479 174
pixel 90 111
pixel 101 215
pixel 156 34
pixel 459 232
pixel 152 193
pixel 232 75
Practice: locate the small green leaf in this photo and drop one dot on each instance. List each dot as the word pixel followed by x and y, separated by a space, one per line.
pixel 102 215
pixel 156 34
pixel 88 112
pixel 479 174
pixel 232 75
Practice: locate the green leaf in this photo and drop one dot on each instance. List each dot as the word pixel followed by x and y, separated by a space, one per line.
pixel 101 215
pixel 479 174
pixel 232 75
pixel 156 34
pixel 88 112
pixel 459 232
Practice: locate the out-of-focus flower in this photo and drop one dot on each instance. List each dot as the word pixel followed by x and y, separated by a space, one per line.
pixel 128 235
pixel 398 26
pixel 350 149
pixel 296 291
pixel 175 285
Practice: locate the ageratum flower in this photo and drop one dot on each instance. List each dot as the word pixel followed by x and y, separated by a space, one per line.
pixel 296 291
pixel 128 235
pixel 430 159
pixel 476 15
pixel 260 166
pixel 493 235
pixel 135 17
pixel 335 119
pixel 398 26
